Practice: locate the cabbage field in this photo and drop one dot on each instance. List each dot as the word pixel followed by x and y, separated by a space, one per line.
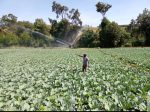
pixel 34 79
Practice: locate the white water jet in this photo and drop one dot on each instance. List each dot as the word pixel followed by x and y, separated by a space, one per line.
pixel 77 37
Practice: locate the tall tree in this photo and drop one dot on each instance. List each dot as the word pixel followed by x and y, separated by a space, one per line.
pixel 72 15
pixel 104 22
pixel 103 8
pixel 112 35
pixel 64 11
pixel 132 25
pixel 70 22
pixel 75 17
pixel 60 10
pixel 136 36
pixel 143 22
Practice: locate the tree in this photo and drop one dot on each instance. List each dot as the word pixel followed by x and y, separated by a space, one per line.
pixel 72 15
pixel 137 38
pixel 56 8
pixel 143 22
pixel 132 25
pixel 70 22
pixel 112 35
pixel 59 9
pixel 103 8
pixel 64 11
pixel 104 23
pixel 41 26
pixel 10 18
pixel 53 28
pixel 59 29
pixel 89 39
pixel 75 17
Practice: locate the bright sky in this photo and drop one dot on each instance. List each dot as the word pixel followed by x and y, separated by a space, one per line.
pixel 122 11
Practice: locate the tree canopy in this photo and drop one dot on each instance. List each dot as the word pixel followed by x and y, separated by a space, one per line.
pixel 140 28
pixel 103 8
pixel 40 26
pixel 73 15
pixel 10 18
pixel 143 22
pixel 112 35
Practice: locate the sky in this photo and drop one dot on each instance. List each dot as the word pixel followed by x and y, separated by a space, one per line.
pixel 122 11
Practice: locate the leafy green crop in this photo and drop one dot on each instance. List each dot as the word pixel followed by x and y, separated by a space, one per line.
pixel 51 79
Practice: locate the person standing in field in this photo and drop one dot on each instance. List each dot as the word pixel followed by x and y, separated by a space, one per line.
pixel 85 62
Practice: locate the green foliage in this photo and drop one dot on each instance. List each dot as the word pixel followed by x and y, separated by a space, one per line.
pixel 26 24
pixel 22 32
pixel 40 26
pixel 51 80
pixel 69 23
pixel 89 38
pixel 112 35
pixel 10 18
pixel 64 30
pixel 8 39
pixel 140 29
pixel 73 15
pixel 143 20
pixel 19 31
pixel 25 39
pixel 103 8
pixel 59 9
pixel 59 30
pixel 104 23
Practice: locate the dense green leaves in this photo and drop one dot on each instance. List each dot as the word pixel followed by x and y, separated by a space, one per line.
pixel 68 26
pixel 40 26
pixel 8 39
pixel 140 29
pixel 112 35
pixel 103 8
pixel 25 39
pixel 89 38
pixel 143 20
pixel 51 79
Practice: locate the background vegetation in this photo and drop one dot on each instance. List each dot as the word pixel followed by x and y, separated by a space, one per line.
pixel 67 25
